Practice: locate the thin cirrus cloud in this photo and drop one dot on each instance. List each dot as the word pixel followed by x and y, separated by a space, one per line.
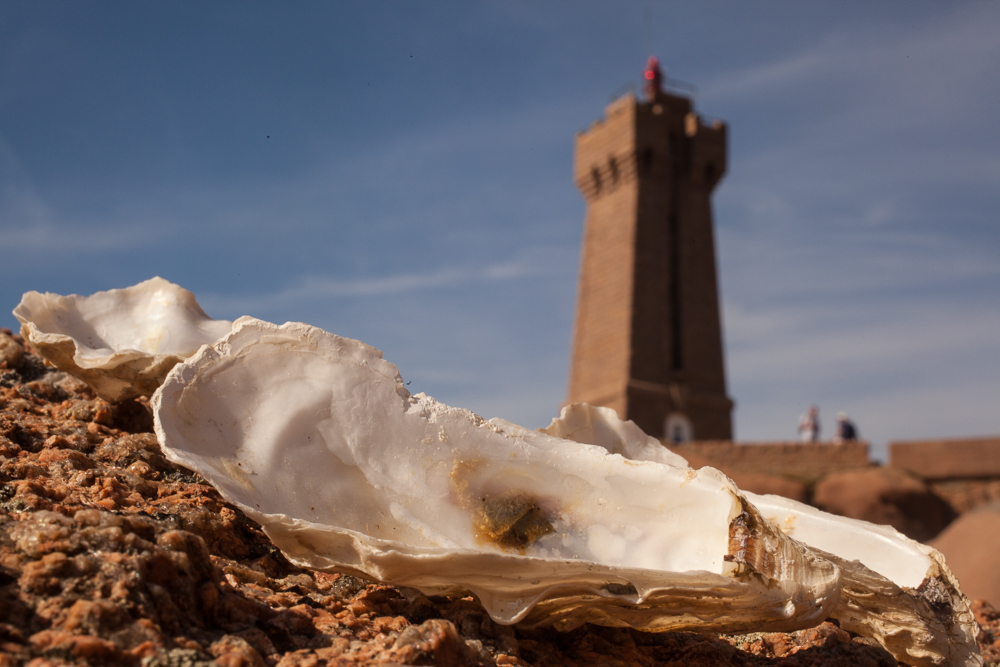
pixel 778 344
pixel 30 224
pixel 912 93
pixel 316 289
pixel 884 62
pixel 854 264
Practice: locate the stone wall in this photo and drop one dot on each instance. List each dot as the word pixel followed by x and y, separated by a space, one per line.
pixel 804 462
pixel 972 458
pixel 965 473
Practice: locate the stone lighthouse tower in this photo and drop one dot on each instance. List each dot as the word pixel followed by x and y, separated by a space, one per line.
pixel 647 338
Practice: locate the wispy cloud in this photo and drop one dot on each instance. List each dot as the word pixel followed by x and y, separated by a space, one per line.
pixel 29 224
pixel 836 342
pixel 887 59
pixel 870 110
pixel 857 265
pixel 46 237
pixel 530 263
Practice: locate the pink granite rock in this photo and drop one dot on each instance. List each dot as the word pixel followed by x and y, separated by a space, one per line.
pixel 885 495
pixel 971 545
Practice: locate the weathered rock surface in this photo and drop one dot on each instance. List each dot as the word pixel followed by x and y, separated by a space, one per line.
pixel 971 544
pixel 967 494
pixel 763 484
pixel 109 554
pixel 11 352
pixel 888 496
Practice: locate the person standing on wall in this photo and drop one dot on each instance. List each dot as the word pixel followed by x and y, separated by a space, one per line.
pixel 809 425
pixel 846 431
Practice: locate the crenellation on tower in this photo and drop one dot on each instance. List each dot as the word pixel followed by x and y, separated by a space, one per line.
pixel 647 335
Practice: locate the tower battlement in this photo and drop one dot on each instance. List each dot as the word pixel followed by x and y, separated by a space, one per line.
pixel 607 153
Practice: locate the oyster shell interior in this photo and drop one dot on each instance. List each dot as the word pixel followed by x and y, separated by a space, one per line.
pixel 316 437
pixel 122 342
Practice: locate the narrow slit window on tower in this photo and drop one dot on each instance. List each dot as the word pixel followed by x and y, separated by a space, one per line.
pixel 646 161
pixel 676 325
pixel 613 168
pixel 596 175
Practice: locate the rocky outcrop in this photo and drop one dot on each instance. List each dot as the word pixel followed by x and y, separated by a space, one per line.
pixel 967 494
pixel 885 495
pixel 970 544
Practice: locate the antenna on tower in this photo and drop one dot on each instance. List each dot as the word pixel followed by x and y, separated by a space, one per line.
pixel 647 20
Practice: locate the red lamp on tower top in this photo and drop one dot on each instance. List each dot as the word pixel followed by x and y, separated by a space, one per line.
pixel 653 78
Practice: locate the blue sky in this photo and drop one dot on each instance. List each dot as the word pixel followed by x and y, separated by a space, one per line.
pixel 399 172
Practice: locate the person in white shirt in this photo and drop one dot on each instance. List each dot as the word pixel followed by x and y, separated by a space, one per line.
pixel 809 425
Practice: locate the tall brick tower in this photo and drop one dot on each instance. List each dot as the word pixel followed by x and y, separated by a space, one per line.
pixel 648 339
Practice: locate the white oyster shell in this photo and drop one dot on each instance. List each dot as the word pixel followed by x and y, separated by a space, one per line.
pixel 122 342
pixel 593 425
pixel 315 437
pixel 894 589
